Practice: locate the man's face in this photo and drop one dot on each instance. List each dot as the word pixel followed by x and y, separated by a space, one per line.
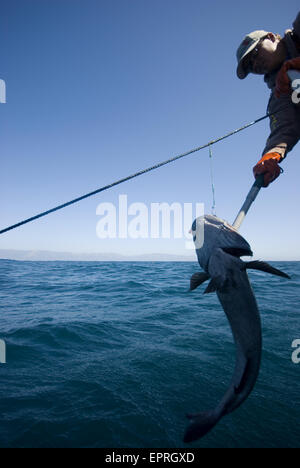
pixel 266 57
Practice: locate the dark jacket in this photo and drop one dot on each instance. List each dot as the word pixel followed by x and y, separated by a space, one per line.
pixel 285 125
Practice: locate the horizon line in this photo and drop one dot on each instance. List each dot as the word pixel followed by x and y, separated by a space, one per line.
pixel 24 255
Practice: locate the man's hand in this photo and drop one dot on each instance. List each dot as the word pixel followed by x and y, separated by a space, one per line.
pixel 283 83
pixel 268 165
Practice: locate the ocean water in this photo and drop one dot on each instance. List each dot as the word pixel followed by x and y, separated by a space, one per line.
pixel 115 354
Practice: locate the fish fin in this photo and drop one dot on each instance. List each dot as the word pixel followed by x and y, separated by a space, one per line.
pixel 197 279
pixel 239 388
pixel 263 266
pixel 210 288
pixel 200 425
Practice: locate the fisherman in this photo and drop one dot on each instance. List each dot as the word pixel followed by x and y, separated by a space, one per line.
pixel 268 54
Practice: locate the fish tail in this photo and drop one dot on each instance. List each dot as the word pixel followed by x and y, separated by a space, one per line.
pixel 200 425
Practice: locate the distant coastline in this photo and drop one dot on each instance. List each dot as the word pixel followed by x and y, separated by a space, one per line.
pixel 45 255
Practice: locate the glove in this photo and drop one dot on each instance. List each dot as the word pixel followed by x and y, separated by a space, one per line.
pixel 283 83
pixel 268 165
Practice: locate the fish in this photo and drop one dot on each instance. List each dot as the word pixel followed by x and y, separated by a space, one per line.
pixel 219 247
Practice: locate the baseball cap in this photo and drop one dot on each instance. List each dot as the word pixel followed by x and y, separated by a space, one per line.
pixel 249 43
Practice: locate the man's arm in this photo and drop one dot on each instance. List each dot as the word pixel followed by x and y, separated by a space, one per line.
pixel 285 133
pixel 284 126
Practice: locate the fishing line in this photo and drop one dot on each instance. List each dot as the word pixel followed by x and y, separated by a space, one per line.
pixel 213 208
pixel 137 174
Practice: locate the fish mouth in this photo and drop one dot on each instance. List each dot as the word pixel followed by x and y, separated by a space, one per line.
pixel 224 236
pixel 235 250
pixel 238 251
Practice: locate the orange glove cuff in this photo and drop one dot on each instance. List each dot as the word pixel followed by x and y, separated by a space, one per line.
pixel 267 156
pixel 268 166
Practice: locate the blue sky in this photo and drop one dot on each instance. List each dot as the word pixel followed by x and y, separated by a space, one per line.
pixel 99 89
